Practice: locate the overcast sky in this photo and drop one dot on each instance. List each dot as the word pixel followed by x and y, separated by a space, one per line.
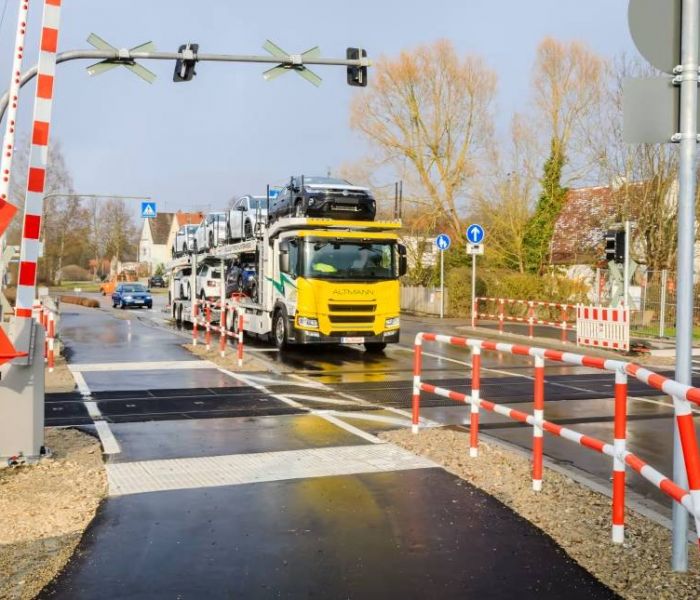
pixel 195 144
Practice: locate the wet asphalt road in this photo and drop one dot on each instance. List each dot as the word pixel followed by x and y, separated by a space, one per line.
pixel 404 531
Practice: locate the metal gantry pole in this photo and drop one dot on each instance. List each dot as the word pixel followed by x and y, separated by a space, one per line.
pixel 473 290
pixel 626 283
pixel 686 242
pixel 8 140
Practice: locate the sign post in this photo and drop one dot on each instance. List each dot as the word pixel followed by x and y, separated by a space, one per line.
pixel 475 237
pixel 666 34
pixel 443 243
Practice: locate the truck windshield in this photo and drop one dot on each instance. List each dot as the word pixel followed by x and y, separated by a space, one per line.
pixel 349 260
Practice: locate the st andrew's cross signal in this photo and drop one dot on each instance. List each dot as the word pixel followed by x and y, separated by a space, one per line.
pixel 188 55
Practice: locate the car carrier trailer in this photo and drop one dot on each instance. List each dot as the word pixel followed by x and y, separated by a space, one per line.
pixel 318 281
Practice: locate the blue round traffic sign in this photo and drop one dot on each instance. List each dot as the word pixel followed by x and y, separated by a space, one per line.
pixel 443 241
pixel 475 234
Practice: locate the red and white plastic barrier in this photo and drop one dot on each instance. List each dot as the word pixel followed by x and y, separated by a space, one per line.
pixel 47 319
pixel 603 327
pixel 529 315
pixel 228 312
pixel 38 156
pixel 682 396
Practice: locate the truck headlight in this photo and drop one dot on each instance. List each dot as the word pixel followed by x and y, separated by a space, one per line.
pixel 308 322
pixel 393 322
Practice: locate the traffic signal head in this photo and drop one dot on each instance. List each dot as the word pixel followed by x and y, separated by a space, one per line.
pixel 356 75
pixel 184 67
pixel 615 246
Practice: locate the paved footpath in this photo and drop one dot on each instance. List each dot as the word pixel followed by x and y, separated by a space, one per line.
pixel 296 503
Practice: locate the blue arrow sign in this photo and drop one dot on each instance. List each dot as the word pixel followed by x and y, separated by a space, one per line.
pixel 475 234
pixel 443 242
pixel 148 210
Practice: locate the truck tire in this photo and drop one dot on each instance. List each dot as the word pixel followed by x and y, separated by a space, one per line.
pixel 374 346
pixel 279 330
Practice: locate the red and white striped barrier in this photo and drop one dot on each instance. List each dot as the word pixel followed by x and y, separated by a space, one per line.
pixel 603 327
pixel 682 396
pixel 207 324
pixel 38 155
pixel 8 210
pixel 47 319
pixel 530 316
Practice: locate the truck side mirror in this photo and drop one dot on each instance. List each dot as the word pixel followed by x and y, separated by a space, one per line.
pixel 403 261
pixel 284 261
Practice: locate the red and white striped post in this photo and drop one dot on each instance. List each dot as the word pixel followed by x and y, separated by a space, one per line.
pixel 531 319
pixel 620 447
pixel 563 324
pixel 417 368
pixel 240 340
pixel 51 334
pixel 207 325
pixel 195 317
pixel 474 414
pixel 7 210
pixel 537 432
pixel 691 455
pixel 38 156
pixel 501 314
pixel 222 329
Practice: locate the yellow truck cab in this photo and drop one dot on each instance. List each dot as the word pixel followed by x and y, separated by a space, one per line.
pixel 336 282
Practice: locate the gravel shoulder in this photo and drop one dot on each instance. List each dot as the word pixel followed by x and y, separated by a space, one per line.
pixel 577 518
pixel 61 380
pixel 45 509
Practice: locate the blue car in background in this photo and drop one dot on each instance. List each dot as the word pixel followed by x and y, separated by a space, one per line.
pixel 131 294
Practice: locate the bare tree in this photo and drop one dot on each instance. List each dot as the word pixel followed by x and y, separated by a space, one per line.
pixel 568 85
pixel 120 230
pixel 429 115
pixel 505 204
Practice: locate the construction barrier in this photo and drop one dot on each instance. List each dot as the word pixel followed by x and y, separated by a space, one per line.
pixel 209 325
pixel 46 317
pixel 524 311
pixel 603 327
pixel 682 396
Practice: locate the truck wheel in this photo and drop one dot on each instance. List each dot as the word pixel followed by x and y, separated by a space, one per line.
pixel 279 330
pixel 374 346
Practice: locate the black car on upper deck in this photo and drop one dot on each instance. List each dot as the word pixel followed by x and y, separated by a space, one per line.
pixel 329 197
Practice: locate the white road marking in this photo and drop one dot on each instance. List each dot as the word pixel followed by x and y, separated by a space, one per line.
pixel 237 469
pixel 347 427
pixel 360 416
pixel 109 442
pixel 166 365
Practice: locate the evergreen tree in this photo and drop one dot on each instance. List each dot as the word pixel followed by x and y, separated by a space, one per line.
pixel 540 227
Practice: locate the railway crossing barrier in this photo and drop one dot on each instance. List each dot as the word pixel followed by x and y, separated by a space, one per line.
pixel 682 395
pixel 525 311
pixel 202 317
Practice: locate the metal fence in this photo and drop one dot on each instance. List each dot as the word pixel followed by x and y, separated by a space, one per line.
pixel 420 299
pixel 652 302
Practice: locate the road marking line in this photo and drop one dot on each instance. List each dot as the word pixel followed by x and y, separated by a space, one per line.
pixel 109 442
pixel 318 399
pixel 360 416
pixel 347 427
pixel 166 365
pixel 237 469
pixel 107 439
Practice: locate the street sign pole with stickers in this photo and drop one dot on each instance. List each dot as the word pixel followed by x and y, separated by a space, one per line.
pixel 443 243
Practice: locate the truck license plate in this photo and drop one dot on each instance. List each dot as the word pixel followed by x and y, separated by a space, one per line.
pixel 352 340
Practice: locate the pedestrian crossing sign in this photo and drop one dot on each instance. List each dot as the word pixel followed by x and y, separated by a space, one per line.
pixel 148 210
